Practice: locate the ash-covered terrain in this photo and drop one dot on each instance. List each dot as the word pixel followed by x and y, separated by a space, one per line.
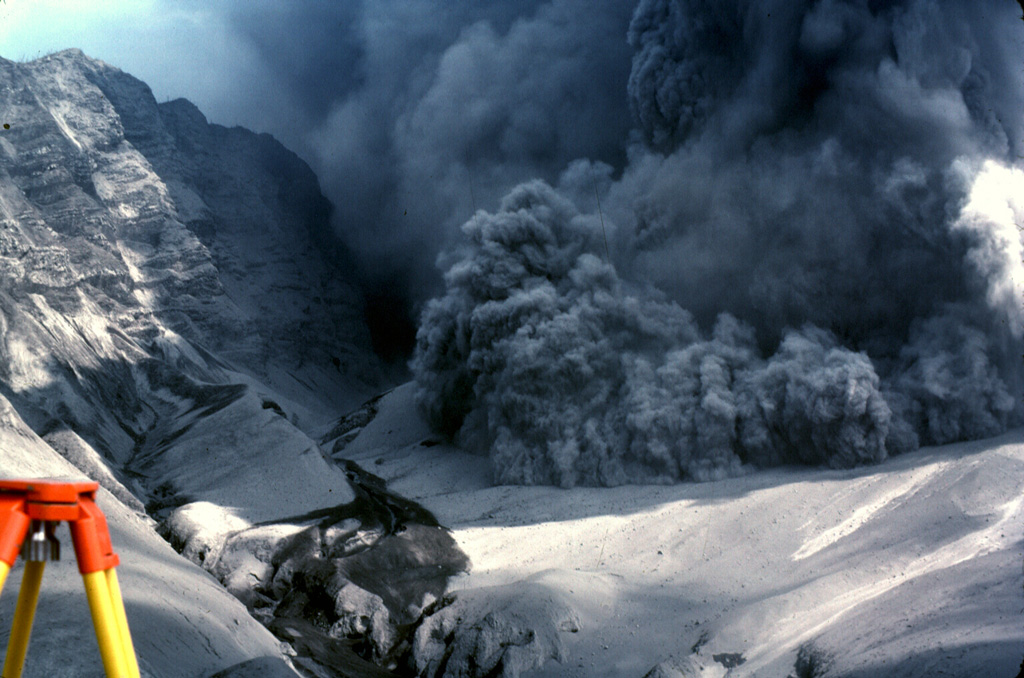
pixel 909 568
pixel 176 321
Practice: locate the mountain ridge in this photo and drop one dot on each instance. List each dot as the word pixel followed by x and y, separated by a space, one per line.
pixel 175 225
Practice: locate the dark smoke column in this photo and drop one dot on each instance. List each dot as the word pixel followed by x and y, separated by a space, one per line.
pixel 830 190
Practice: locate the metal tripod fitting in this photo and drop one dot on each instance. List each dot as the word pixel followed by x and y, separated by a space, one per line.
pixel 41 546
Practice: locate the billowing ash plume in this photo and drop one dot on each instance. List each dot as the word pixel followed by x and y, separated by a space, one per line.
pixel 541 354
pixel 820 222
pixel 414 114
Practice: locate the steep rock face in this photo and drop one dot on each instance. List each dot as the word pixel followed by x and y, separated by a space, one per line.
pixel 132 231
pixel 258 210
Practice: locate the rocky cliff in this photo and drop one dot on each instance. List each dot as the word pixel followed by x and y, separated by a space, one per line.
pixel 136 231
pixel 176 322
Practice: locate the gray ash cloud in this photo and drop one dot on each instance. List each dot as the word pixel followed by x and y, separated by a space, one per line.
pixel 415 113
pixel 542 355
pixel 815 254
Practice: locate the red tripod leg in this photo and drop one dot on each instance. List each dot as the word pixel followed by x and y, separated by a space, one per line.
pixel 14 524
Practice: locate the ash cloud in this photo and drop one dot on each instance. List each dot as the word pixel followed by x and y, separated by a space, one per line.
pixel 418 113
pixel 816 255
pixel 832 109
pixel 542 355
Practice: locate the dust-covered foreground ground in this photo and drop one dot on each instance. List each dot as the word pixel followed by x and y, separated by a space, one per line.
pixel 908 568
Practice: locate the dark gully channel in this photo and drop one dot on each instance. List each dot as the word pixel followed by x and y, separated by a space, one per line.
pixel 389 550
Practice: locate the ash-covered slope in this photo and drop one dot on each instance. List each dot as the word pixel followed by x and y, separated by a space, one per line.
pixel 258 210
pixel 907 569
pixel 132 229
pixel 172 322
pixel 168 600
pixel 161 277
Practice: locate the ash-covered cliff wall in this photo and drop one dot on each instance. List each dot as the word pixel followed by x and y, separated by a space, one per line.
pixel 140 244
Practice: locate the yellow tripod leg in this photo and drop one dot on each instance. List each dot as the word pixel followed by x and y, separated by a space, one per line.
pixel 108 636
pixel 4 569
pixel 117 603
pixel 24 613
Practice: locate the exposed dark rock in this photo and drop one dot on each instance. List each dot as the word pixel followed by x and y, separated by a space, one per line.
pixel 359 574
pixel 729 659
pixel 497 632
pixel 347 427
pixel 812 661
pixel 338 656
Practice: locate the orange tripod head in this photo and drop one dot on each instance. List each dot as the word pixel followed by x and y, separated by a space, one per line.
pixel 40 505
pixel 54 500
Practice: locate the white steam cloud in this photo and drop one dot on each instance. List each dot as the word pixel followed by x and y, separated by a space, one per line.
pixel 827 187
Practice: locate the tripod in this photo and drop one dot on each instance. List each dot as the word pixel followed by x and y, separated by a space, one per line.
pixel 30 511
